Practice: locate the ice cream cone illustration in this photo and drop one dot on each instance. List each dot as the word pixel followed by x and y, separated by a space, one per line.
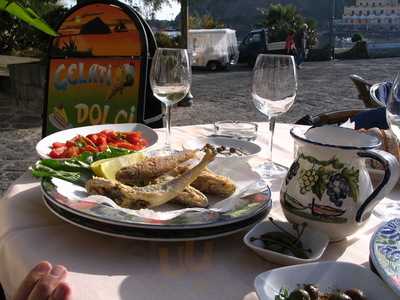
pixel 123 77
pixel 59 118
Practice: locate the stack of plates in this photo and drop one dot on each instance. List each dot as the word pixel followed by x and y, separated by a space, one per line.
pixel 72 203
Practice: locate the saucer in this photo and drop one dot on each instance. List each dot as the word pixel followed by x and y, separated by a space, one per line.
pixel 244 149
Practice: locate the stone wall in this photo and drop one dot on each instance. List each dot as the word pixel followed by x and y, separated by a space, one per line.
pixel 28 82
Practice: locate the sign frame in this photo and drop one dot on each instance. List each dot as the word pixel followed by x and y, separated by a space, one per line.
pixel 148 47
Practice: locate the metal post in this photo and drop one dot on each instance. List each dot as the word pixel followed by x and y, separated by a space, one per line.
pixel 184 44
pixel 184 23
pixel 331 28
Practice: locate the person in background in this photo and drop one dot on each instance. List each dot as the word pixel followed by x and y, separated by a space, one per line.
pixel 301 45
pixel 290 45
pixel 44 282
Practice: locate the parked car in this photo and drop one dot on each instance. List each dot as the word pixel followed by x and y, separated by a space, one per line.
pixel 215 49
pixel 257 42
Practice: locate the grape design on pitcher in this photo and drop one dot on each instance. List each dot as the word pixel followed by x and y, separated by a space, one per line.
pixel 333 177
pixel 308 178
pixel 292 171
pixel 318 180
pixel 338 189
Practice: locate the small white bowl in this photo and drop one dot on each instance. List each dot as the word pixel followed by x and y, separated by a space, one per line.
pixel 311 239
pixel 249 148
pixel 329 276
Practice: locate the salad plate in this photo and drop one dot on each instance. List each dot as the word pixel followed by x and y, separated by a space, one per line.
pixel 328 276
pixel 249 204
pixel 385 253
pixel 43 147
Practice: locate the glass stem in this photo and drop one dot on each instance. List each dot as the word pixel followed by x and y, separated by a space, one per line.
pixel 271 137
pixel 168 127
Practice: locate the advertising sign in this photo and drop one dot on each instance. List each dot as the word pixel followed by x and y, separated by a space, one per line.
pixel 92 91
pixel 95 69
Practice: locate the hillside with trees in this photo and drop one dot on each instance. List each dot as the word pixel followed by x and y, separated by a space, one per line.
pixel 245 15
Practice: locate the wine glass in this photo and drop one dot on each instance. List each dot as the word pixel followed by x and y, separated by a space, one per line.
pixel 273 92
pixel 170 79
pixel 388 209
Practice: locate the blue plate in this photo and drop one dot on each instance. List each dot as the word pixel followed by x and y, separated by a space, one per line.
pixel 385 253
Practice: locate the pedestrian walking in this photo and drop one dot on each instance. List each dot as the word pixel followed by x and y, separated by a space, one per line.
pixel 290 45
pixel 301 45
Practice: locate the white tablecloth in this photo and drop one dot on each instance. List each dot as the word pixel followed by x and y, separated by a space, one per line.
pixel 107 268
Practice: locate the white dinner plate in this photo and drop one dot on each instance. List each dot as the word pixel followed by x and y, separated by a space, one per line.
pixel 248 205
pixel 328 276
pixel 43 148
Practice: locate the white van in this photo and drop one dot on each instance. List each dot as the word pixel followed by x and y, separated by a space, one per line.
pixel 213 48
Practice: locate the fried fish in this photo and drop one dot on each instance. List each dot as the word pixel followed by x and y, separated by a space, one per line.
pixel 151 195
pixel 210 183
pixel 189 197
pixel 147 170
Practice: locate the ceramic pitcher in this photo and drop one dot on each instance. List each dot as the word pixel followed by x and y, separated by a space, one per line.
pixel 328 185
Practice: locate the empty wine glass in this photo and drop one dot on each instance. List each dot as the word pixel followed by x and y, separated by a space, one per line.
pixel 389 209
pixel 273 92
pixel 170 79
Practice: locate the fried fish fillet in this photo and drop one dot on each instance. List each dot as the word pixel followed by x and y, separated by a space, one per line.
pixel 150 195
pixel 210 183
pixel 145 171
pixel 189 197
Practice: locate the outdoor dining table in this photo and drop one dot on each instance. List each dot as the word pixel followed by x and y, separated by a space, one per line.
pixel 107 268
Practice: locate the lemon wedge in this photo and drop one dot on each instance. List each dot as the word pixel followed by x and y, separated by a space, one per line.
pixel 107 168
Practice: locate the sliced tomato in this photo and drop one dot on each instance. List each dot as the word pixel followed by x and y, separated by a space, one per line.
pixel 70 143
pixel 111 135
pixel 93 137
pixel 102 147
pixel 88 148
pixel 101 139
pixel 98 142
pixel 122 144
pixel 58 145
pixel 72 151
pixel 137 147
pixel 57 152
pixel 133 138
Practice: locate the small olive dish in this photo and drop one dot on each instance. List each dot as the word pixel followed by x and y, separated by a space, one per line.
pixel 301 243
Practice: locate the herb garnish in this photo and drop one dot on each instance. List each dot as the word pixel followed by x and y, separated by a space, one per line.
pixel 285 242
pixel 76 170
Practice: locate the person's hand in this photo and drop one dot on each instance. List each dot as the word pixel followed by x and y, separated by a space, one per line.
pixel 44 282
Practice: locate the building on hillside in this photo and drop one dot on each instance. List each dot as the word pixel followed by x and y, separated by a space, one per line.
pixel 372 16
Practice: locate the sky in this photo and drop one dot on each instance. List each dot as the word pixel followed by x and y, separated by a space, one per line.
pixel 166 13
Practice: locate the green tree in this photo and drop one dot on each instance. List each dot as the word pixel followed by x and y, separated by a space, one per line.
pixel 312 32
pixel 280 19
pixel 19 38
pixel 204 22
pixel 165 41
pixel 357 37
